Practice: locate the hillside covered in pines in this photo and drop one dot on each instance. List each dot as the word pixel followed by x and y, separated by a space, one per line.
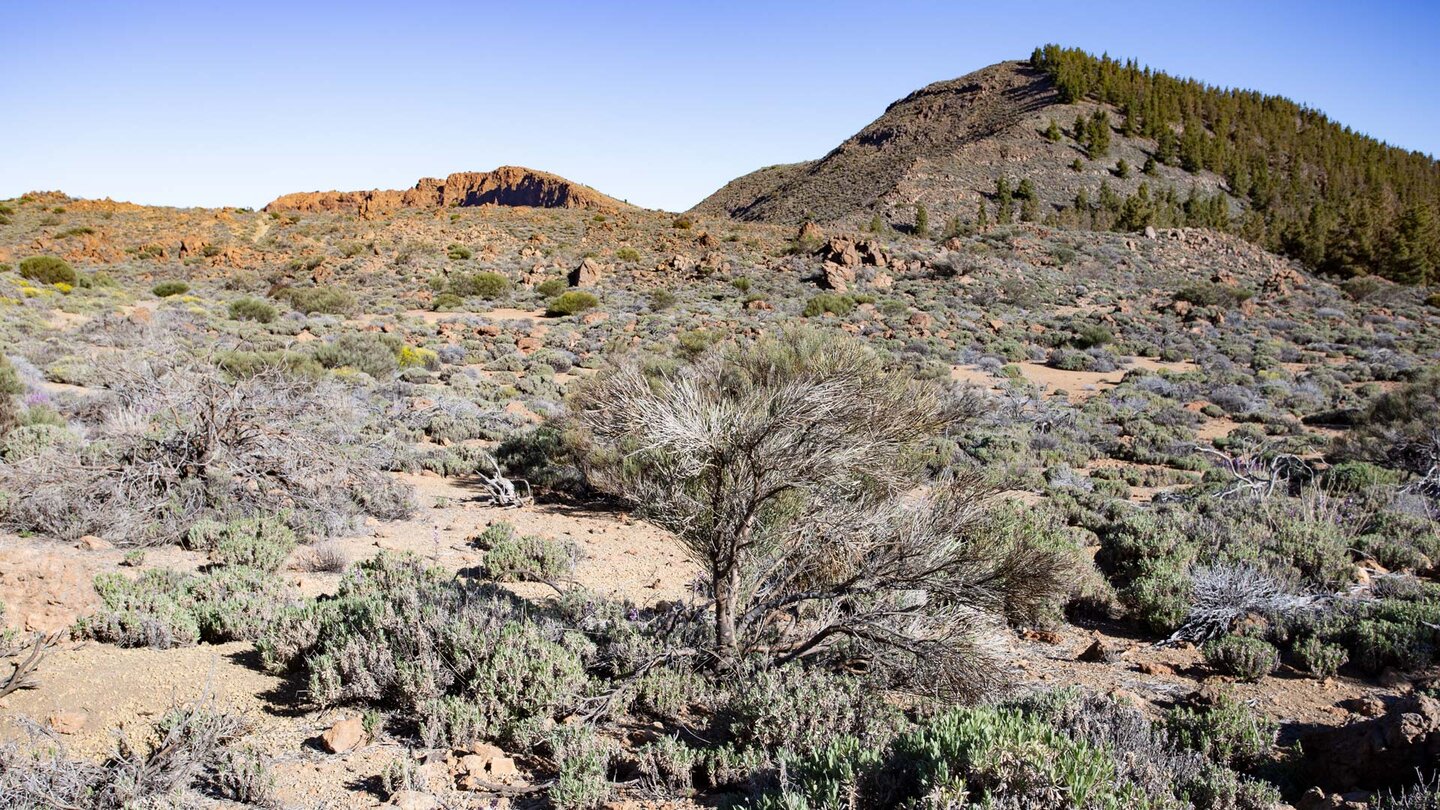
pixel 1311 188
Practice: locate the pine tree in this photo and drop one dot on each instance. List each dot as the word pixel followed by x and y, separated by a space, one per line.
pixel 982 220
pixel 1192 146
pixel 1415 255
pixel 1150 168
pixel 1122 169
pixel 922 220
pixel 1052 132
pixel 1097 135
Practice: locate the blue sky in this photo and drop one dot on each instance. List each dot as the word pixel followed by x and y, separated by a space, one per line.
pixel 204 103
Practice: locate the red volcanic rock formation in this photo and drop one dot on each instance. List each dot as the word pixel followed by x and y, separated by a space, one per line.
pixel 507 185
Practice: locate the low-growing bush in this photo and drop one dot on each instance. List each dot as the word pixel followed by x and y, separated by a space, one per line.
pixel 1320 659
pixel 262 543
pixel 552 287
pixel 571 303
pixel 485 284
pixel 322 300
pixel 1210 294
pixel 165 608
pixel 511 557
pixel 31 440
pixel 828 304
pixel 166 289
pixel 374 354
pixel 466 662
pixel 10 390
pixel 48 270
pixel 1247 658
pixel 1229 733
pixel 252 309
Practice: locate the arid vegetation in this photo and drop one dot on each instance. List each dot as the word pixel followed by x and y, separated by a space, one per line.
pixel 360 501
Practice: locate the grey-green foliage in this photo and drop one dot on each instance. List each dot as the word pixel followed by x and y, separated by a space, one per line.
pixel 1248 659
pixel 1055 750
pixel 252 309
pixel 376 355
pixel 165 608
pixel 512 557
pixel 1228 732
pixel 26 441
pixel 258 542
pixel 468 662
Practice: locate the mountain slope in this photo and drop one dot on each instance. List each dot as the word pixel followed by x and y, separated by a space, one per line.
pixel 944 147
pixel 507 185
pixel 1106 145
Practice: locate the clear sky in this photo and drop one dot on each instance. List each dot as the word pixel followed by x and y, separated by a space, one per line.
pixel 207 103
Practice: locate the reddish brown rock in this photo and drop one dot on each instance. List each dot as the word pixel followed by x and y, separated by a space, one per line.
pixel 345 735
pixel 836 277
pixel 507 185
pixel 587 274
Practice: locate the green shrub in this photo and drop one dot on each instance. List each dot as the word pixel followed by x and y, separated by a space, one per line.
pixel 582 760
pixel 552 287
pixel 446 301
pixel 252 309
pixel 48 270
pixel 829 303
pixel 321 300
pixel 484 284
pixel 165 289
pixel 29 440
pixel 509 557
pixel 1320 659
pixel 1148 559
pixel 627 254
pixel 1248 659
pixel 257 542
pixel 363 351
pixel 458 253
pixel 467 662
pixel 661 299
pixel 1228 733
pixel 144 613
pixel 570 303
pixel 1433 300
pixel 1210 294
pixel 10 389
pixel 165 608
pixel 800 711
pixel 1092 335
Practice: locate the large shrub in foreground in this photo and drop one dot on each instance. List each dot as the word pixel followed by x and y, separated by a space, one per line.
pixel 790 468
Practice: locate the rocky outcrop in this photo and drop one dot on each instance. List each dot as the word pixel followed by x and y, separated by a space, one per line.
pixel 587 274
pixel 507 185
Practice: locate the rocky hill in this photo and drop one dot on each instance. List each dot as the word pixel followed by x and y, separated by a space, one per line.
pixel 507 185
pixel 945 146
